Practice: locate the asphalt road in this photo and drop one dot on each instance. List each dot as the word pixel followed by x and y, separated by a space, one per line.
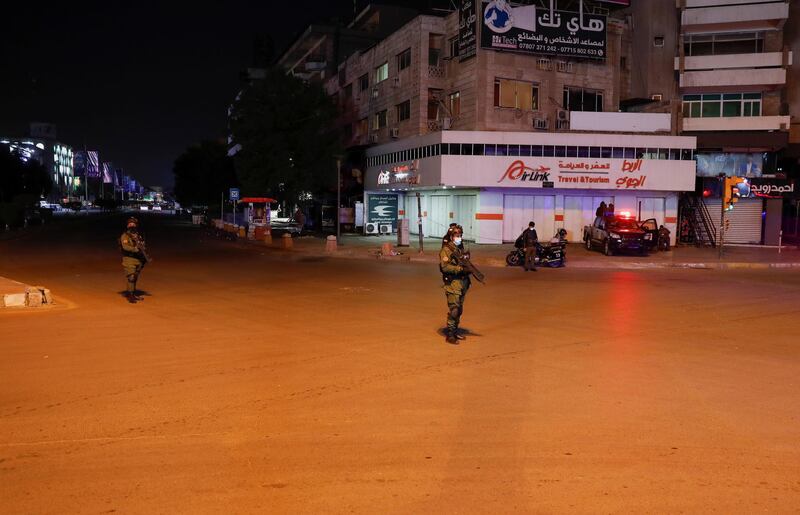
pixel 249 381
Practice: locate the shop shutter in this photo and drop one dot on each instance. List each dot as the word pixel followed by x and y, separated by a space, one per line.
pixel 439 216
pixel 464 207
pixel 745 220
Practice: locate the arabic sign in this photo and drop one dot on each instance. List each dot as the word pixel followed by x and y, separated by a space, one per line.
pixel 530 30
pixel 382 209
pixel 767 188
pixel 402 174
pixel 467 30
pixel 568 173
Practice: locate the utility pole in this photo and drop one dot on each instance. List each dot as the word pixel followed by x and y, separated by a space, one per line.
pixel 722 198
pixel 419 222
pixel 338 197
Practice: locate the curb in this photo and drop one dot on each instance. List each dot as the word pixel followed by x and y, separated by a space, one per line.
pixel 26 297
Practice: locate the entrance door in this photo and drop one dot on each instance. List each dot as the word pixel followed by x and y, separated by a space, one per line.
pixel 649 207
pixel 518 210
pixel 464 214
pixel 578 213
pixel 439 216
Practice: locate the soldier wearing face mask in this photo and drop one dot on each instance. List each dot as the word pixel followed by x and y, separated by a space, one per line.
pixel 456 281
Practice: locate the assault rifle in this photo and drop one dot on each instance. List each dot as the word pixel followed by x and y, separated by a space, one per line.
pixel 142 248
pixel 463 260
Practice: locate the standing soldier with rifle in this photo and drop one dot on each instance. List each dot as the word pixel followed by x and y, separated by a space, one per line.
pixel 456 269
pixel 134 257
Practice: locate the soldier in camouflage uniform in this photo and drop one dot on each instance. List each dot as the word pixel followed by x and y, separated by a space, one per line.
pixel 456 282
pixel 134 257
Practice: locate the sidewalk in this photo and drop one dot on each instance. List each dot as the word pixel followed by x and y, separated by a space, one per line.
pixel 369 247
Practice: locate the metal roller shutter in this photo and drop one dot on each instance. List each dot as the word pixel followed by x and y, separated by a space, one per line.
pixel 745 220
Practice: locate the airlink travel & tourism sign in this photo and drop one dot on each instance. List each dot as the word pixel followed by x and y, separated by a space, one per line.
pixel 568 173
pixel 536 30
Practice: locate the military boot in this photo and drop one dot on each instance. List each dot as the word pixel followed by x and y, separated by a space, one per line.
pixel 450 337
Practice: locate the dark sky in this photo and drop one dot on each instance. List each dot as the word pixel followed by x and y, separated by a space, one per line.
pixel 138 81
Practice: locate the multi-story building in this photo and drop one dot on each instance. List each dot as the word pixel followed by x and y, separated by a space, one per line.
pixel 731 61
pixel 56 157
pixel 494 115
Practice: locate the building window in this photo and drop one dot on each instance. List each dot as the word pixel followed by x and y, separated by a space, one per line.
pixel 363 82
pixel 579 99
pixel 348 91
pixel 382 72
pixel 721 44
pixel 403 110
pixel 454 103
pixel 404 59
pixel 362 127
pixel 727 105
pixel 380 120
pixel 453 46
pixel 516 94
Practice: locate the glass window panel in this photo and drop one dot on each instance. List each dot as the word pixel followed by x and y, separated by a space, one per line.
pixel 524 150
pixel 756 108
pixel 536 150
pixel 686 154
pixel 489 150
pixel 732 108
pixel 687 98
pixel 617 152
pixel 594 151
pixel 715 96
pixel 696 107
pixel 630 153
pixel 547 151
pixel 605 152
pixel 583 151
pixel 572 151
pixel 640 153
pixel 711 109
pixel 455 149
pixel 502 150
pixel 445 149
pixel 560 151
pixel 751 96
pixel 508 93
pixel 466 149
pixel 663 153
pixel 732 96
pixel 477 149
pixel 513 150
pixel 675 154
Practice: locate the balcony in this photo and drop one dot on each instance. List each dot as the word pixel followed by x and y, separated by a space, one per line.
pixel 727 61
pixel 733 80
pixel 619 122
pixel 709 15
pixel 743 123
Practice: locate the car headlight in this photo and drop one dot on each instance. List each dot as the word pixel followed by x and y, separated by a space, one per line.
pixel 648 236
pixel 615 235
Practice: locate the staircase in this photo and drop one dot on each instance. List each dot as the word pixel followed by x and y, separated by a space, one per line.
pixel 695 212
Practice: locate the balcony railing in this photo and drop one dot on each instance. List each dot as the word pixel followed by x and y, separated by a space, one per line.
pixel 437 72
pixel 725 61
pixel 737 123
pixel 762 15
pixel 736 78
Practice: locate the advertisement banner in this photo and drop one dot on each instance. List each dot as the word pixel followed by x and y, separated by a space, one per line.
pixel 467 30
pixel 568 173
pixel 79 163
pixel 93 164
pixel 382 209
pixel 531 30
pixel 107 173
pixel 714 164
pixel 767 188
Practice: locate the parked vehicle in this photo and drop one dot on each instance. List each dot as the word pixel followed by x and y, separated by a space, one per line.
pixel 285 225
pixel 552 254
pixel 620 233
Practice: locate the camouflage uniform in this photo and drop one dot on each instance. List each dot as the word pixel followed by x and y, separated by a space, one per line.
pixel 133 260
pixel 456 284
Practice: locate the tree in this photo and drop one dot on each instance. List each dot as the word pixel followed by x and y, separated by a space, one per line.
pixel 22 179
pixel 286 130
pixel 202 173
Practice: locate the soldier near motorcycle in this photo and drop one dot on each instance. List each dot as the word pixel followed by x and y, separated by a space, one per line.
pixel 530 240
pixel 134 257
pixel 456 277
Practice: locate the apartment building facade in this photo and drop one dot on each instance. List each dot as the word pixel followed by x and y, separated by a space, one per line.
pixel 496 115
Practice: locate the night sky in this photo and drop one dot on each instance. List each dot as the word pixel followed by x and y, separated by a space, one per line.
pixel 138 81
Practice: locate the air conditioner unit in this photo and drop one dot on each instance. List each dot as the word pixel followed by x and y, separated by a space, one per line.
pixel 374 92
pixel 658 97
pixel 394 132
pixel 564 66
pixel 373 138
pixel 544 64
pixel 540 123
pixel 562 115
pixel 385 228
pixel 371 228
pixel 447 122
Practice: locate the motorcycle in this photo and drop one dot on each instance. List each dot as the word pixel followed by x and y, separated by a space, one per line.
pixel 552 254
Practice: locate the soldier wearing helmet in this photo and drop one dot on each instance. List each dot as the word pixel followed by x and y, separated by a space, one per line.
pixel 134 257
pixel 456 281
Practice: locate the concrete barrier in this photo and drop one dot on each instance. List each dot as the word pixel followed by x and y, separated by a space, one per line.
pixel 331 244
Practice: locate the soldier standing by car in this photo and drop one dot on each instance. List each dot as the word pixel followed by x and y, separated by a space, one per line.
pixel 456 281
pixel 530 241
pixel 134 257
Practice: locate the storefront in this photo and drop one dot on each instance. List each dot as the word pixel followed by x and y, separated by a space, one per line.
pixel 494 183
